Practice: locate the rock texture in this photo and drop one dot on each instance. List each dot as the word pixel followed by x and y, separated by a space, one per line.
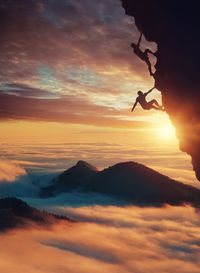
pixel 174 26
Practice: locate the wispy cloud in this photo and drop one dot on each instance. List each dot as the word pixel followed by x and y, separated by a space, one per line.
pixel 68 62
pixel 22 102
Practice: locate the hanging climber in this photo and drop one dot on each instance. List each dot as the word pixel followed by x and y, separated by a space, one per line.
pixel 143 55
pixel 141 99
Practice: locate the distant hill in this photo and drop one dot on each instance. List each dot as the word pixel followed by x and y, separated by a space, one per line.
pixel 141 184
pixel 73 178
pixel 16 213
pixel 129 180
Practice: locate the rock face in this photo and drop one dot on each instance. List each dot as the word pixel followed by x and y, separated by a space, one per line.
pixel 174 26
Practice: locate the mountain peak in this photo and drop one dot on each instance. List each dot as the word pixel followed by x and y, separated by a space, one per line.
pixel 128 164
pixel 84 164
pixel 72 178
pixel 130 180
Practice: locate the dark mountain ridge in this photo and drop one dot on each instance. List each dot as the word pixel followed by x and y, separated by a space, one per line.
pixel 142 184
pixel 129 180
pixel 70 179
pixel 17 213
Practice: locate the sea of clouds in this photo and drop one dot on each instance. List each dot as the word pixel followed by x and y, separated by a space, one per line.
pixel 108 235
pixel 108 239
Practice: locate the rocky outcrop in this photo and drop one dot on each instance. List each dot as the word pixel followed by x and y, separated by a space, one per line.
pixel 174 26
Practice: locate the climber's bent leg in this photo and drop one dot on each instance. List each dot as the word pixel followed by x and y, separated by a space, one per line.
pixel 154 102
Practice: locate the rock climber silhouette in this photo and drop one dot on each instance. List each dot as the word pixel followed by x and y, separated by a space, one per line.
pixel 143 55
pixel 141 99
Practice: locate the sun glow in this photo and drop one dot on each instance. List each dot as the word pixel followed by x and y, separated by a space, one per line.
pixel 167 132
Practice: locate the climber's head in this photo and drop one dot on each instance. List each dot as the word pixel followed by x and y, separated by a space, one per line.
pixel 134 46
pixel 140 93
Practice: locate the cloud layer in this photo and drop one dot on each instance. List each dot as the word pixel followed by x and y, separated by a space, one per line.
pixel 119 146
pixel 110 239
pixel 9 171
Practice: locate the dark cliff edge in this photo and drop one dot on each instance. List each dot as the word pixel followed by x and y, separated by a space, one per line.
pixel 174 26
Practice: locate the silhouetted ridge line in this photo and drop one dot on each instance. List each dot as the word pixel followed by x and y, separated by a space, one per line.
pixel 86 165
pixel 70 179
pixel 131 181
pixel 17 213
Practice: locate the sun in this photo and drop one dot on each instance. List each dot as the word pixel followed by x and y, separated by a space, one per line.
pixel 167 132
pixel 164 130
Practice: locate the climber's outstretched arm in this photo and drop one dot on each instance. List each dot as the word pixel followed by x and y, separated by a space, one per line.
pixel 134 105
pixel 149 91
pixel 139 40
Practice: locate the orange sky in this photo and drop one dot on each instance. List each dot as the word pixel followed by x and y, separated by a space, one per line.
pixel 69 76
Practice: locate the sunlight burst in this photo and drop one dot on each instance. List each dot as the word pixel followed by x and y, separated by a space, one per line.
pixel 167 132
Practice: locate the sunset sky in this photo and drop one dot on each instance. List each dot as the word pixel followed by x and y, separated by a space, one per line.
pixel 68 80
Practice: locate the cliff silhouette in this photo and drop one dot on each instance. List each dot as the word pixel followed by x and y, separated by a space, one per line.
pixel 174 26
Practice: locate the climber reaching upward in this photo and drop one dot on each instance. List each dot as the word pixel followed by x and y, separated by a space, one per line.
pixel 141 99
pixel 143 55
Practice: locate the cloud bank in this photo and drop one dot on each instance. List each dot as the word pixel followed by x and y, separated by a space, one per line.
pixel 15 181
pixel 9 171
pixel 110 240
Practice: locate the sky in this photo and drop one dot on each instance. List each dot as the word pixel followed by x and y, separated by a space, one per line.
pixel 68 80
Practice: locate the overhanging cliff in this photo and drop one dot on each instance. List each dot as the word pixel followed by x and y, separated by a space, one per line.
pixel 174 26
